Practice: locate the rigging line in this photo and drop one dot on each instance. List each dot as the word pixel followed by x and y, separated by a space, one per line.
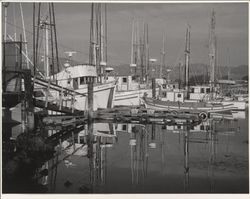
pixel 176 63
pixel 34 38
pixel 40 36
pixel 24 34
pixel 14 16
pixel 61 45
pixel 37 32
pixel 27 58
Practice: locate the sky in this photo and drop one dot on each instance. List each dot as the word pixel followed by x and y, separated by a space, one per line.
pixel 73 27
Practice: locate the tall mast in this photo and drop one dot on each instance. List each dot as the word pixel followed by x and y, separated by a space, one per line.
pixel 98 38
pixel 47 25
pixel 187 58
pixel 147 54
pixel 46 49
pixel 137 44
pixel 5 4
pixel 162 55
pixel 132 45
pixel 212 50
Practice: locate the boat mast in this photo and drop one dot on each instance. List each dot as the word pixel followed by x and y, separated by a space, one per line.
pixel 212 51
pixel 133 61
pixel 162 55
pixel 5 4
pixel 187 58
pixel 98 38
pixel 48 25
pixel 147 54
pixel 46 49
pixel 132 46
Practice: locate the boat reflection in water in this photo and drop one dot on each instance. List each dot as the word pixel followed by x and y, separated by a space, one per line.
pixel 211 157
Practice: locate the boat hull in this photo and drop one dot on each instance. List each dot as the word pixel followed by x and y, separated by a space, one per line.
pixel 103 97
pixel 186 106
pixel 239 105
pixel 131 98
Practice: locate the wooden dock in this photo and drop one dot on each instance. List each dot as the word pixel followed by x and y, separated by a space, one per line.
pixel 127 115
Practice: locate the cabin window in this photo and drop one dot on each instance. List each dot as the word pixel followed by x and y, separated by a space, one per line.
pixel 207 128
pixel 164 86
pixel 38 94
pixel 124 127
pixel 173 86
pixel 192 127
pixel 133 78
pixel 124 80
pixel 192 90
pixel 82 80
pixel 202 127
pixel 75 83
pixel 208 90
pixel 82 141
pixel 179 127
pixel 178 95
pixel 68 82
pixel 164 94
pixel 202 90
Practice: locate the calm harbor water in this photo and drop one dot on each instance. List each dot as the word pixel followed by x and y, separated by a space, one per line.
pixel 129 158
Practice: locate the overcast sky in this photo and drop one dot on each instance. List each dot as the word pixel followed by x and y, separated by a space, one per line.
pixel 72 20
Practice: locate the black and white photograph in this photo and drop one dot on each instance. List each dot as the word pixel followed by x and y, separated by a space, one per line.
pixel 128 97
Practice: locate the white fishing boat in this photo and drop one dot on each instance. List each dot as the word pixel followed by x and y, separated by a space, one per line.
pixel 76 78
pixel 204 93
pixel 128 92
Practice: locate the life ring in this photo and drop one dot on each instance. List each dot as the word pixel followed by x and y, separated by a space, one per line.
pixel 203 116
pixel 174 112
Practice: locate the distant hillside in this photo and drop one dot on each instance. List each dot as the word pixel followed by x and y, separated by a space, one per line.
pixel 236 72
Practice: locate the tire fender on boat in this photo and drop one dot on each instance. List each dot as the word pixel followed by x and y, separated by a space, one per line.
pixel 203 116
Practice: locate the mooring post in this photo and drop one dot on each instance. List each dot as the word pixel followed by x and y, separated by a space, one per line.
pixel 90 98
pixel 153 88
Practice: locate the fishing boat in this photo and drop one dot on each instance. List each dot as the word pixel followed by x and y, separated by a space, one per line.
pixel 186 106
pixel 76 78
pixel 204 93
pixel 133 82
pixel 176 99
pixel 212 92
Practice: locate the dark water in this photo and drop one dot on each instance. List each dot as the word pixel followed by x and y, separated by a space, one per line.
pixel 129 158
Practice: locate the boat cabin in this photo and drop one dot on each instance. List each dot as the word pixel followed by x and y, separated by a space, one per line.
pixel 169 86
pixel 199 93
pixel 125 83
pixel 171 92
pixel 173 95
pixel 76 77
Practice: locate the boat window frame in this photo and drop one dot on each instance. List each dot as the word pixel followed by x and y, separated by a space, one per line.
pixel 82 81
pixel 124 78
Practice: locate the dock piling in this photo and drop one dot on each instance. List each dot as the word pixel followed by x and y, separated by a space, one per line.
pixel 90 98
pixel 153 88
